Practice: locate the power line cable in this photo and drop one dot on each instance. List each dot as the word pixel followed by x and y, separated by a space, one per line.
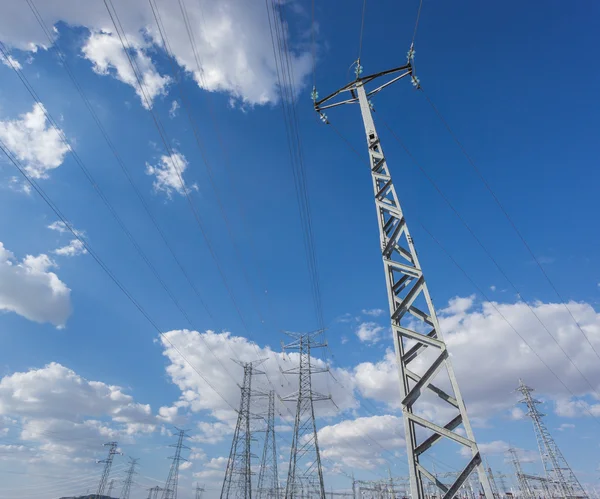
pixel 362 28
pixel 101 263
pixel 488 253
pixel 347 142
pixel 132 183
pixel 508 217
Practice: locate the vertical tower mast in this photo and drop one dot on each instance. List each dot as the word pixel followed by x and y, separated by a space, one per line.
pixel 129 478
pixel 411 308
pixel 170 490
pixel 237 483
pixel 112 451
pixel 305 458
pixel 268 477
pixel 559 474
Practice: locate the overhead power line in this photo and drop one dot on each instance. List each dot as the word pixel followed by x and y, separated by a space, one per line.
pixel 509 218
pixel 473 283
pixel 103 266
pixel 489 255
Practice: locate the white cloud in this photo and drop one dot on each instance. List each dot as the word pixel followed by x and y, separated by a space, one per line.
pixel 63 416
pixel 565 426
pixel 74 248
pixel 219 394
pixel 34 142
pixel 364 443
pixel 106 53
pixel 31 290
pixel 10 61
pixel 375 312
pixel 168 174
pixel 369 332
pixel 61 227
pixel 493 288
pixel 478 336
pixel 57 392
pixel 233 41
pixel 497 447
pixel 173 110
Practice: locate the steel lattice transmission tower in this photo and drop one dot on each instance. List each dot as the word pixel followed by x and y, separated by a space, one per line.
pixel 112 451
pixel 524 486
pixel 199 491
pixel 268 477
pixel 111 485
pixel 559 474
pixel 410 304
pixel 126 490
pixel 305 470
pixel 170 490
pixel 237 483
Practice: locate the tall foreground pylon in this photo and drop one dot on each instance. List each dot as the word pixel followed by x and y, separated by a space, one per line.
pixel 558 472
pixel 416 331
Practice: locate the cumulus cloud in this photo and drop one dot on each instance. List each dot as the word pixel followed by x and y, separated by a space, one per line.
pixel 74 248
pixel 497 447
pixel 173 111
pixel 34 142
pixel 168 174
pixel 232 41
pixel 106 53
pixel 64 418
pixel 375 312
pixel 369 332
pixel 10 61
pixel 31 290
pixel 479 339
pixel 218 394
pixel 346 442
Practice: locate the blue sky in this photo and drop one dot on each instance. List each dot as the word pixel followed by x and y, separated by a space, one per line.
pixel 81 365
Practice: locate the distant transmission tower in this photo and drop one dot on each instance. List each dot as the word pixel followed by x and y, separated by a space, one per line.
pixel 305 459
pixel 414 322
pixel 526 489
pixel 559 474
pixel 128 478
pixel 237 483
pixel 170 490
pixel 199 491
pixel 110 488
pixel 268 477
pixel 153 492
pixel 112 451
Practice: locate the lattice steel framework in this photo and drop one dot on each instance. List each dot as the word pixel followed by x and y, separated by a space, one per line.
pixel 305 471
pixel 199 491
pixel 268 477
pixel 237 483
pixel 111 486
pixel 172 483
pixel 559 474
pixel 416 331
pixel 524 486
pixel 112 452
pixel 126 490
